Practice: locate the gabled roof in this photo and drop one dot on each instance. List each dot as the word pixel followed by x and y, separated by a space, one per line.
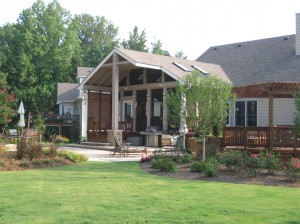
pixel 258 61
pixel 67 92
pixel 154 61
pixel 84 71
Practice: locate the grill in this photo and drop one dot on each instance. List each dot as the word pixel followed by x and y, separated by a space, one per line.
pixel 152 134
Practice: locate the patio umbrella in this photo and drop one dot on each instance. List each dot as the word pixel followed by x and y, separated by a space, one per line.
pixel 183 113
pixel 21 111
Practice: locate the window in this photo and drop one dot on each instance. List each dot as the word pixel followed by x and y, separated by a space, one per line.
pixel 127 108
pixel 136 76
pixel 153 76
pixel 246 113
pixel 182 67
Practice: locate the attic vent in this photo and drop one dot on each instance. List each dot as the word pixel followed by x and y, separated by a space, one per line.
pixel 182 67
pixel 200 69
pixel 287 38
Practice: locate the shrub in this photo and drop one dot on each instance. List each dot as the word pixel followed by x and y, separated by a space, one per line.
pixel 21 148
pixel 46 152
pixel 47 162
pixel 58 160
pixel 24 164
pixel 211 167
pixel 146 158
pixel 198 166
pixel 164 164
pixel 2 163
pixel 74 157
pixel 251 163
pixel 232 159
pixel 292 169
pixel 34 151
pixel 60 139
pixel 52 150
pixel 269 161
pixel 186 158
pixel 37 163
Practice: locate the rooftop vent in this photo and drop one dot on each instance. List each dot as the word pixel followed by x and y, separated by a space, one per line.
pixel 200 69
pixel 182 67
pixel 239 45
pixel 287 38
pixel 215 48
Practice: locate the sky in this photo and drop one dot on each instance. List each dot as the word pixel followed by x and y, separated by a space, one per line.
pixel 191 26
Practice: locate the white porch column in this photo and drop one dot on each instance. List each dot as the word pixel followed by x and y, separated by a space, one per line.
pixel 165 110
pixel 115 92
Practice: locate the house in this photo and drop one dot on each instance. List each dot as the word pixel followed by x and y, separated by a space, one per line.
pixel 72 105
pixel 265 75
pixel 127 89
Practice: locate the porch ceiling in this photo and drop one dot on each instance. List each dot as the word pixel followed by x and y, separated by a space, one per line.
pixel 103 76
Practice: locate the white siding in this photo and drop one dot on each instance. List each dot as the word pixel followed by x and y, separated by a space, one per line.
pixel 284 109
pixel 263 112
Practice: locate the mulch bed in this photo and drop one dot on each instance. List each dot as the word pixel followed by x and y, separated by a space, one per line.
pixel 227 176
pixel 8 162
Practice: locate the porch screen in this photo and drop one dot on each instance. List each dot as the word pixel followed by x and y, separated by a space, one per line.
pixel 246 113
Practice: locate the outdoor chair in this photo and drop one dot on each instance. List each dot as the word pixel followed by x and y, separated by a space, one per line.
pixel 119 148
pixel 169 143
pixel 12 134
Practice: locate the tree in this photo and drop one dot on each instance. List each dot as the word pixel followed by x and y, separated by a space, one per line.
pixel 180 54
pixel 6 110
pixel 157 48
pixel 136 41
pixel 97 38
pixel 208 100
pixel 40 48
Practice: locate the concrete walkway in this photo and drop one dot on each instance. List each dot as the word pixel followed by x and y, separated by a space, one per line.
pixel 102 155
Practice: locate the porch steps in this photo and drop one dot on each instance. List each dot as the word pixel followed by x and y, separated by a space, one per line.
pixel 91 145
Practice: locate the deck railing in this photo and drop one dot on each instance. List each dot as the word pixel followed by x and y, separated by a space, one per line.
pixel 60 119
pixel 253 137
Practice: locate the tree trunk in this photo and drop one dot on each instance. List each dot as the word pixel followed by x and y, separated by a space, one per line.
pixel 203 148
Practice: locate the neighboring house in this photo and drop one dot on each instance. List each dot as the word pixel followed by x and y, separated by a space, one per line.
pixel 261 71
pixel 265 75
pixel 130 86
pixel 73 102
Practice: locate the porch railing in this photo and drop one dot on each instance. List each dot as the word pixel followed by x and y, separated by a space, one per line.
pixel 253 137
pixel 60 119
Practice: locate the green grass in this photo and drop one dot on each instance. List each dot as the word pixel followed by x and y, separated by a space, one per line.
pixel 96 192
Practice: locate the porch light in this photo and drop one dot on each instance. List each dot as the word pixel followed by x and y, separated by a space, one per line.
pixel 132 97
pixel 148 97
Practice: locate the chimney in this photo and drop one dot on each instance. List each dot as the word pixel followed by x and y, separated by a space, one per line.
pixel 297 39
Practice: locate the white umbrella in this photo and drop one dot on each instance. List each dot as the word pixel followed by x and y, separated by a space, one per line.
pixel 21 111
pixel 183 113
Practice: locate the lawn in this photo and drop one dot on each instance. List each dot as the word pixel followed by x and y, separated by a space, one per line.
pixel 95 192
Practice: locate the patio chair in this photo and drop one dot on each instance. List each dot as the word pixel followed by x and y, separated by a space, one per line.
pixel 169 143
pixel 119 148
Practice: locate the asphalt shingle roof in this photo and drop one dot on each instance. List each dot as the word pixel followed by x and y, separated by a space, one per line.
pixel 67 92
pixel 166 62
pixel 258 61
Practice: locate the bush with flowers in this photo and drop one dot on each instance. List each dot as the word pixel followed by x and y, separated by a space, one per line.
pixel 232 159
pixel 146 158
pixel 6 110
pixel 292 168
pixel 269 161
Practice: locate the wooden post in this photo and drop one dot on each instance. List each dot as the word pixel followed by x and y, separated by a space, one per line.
pixel 271 125
pixel 245 137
